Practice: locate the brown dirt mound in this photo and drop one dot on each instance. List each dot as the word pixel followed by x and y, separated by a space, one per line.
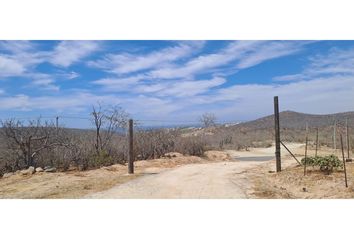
pixel 217 156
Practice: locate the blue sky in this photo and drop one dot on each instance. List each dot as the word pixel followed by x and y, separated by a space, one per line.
pixel 175 80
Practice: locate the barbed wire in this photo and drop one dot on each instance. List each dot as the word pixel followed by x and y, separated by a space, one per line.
pixel 185 122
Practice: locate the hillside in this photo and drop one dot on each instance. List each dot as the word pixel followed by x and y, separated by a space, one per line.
pixel 296 120
pixel 260 132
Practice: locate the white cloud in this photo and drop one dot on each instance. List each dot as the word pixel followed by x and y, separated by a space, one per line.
pixel 177 88
pixel 80 103
pixel 129 63
pixel 255 100
pixel 336 62
pixel 42 81
pixel 19 58
pixel 18 102
pixel 268 51
pixel 72 75
pixel 119 84
pixel 45 84
pixel 10 67
pixel 16 46
pixel 291 77
pixel 206 62
pixel 174 91
pixel 242 54
pixel 68 102
pixel 181 88
pixel 67 53
pixel 229 103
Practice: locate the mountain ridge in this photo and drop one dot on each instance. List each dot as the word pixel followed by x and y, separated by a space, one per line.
pixel 292 119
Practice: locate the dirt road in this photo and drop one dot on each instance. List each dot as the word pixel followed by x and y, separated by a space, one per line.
pixel 214 180
pixel 224 180
pixel 218 174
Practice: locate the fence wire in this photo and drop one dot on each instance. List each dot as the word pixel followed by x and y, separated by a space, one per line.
pixel 142 122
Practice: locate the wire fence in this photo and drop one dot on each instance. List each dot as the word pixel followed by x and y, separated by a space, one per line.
pixel 77 121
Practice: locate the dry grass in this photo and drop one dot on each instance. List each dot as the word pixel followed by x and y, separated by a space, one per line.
pixel 291 182
pixel 75 184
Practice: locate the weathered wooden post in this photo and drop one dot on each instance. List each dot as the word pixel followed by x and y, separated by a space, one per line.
pixel 305 163
pixel 334 136
pixel 348 142
pixel 56 121
pixel 130 148
pixel 316 142
pixel 277 134
pixel 345 169
pixel 57 124
pixel 306 143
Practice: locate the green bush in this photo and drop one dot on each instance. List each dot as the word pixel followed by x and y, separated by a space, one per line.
pixel 100 160
pixel 326 163
pixel 310 161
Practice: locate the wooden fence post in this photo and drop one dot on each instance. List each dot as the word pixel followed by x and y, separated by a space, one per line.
pixel 277 134
pixel 348 142
pixel 305 162
pixel 130 148
pixel 334 136
pixel 57 124
pixel 316 142
pixel 345 169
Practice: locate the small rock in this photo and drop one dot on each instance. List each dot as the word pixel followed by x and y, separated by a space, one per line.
pixel 6 175
pixel 271 171
pixel 25 172
pixel 53 169
pixel 304 189
pixel 31 169
pixel 28 171
pixel 72 168
pixel 173 155
pixel 39 169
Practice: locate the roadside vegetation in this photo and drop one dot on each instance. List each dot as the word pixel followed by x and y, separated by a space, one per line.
pixel 326 164
pixel 45 145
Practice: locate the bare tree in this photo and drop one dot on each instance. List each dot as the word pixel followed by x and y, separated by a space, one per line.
pixel 208 119
pixel 107 122
pixel 27 141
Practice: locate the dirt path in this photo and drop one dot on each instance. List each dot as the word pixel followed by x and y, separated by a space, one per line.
pixel 217 175
pixel 231 179
pixel 213 180
pixel 77 184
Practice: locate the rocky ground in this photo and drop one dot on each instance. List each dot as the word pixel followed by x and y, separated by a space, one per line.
pixel 29 184
pixel 292 183
pixel 217 175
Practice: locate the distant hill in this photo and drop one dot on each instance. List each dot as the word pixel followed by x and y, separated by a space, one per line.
pixel 296 120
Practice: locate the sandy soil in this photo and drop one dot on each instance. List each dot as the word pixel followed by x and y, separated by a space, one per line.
pixel 218 175
pixel 291 182
pixel 213 180
pixel 75 184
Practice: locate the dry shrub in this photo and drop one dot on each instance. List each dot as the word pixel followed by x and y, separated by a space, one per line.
pixel 155 143
pixel 192 145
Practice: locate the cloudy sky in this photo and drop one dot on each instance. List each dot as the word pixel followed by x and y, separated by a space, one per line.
pixel 175 80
